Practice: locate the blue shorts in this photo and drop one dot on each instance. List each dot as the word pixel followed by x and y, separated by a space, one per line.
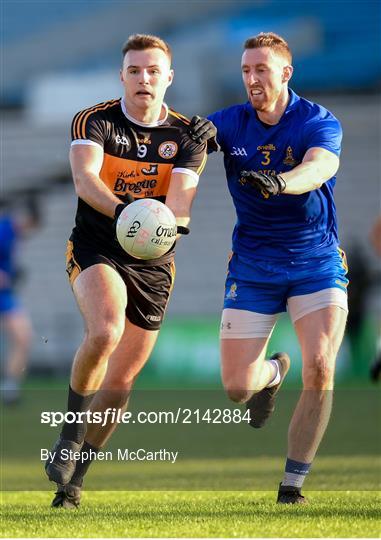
pixel 265 286
pixel 8 302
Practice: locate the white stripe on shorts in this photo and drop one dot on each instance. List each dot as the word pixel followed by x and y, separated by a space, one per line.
pixel 243 324
pixel 301 305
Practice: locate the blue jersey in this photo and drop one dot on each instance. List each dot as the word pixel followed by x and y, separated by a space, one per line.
pixel 284 226
pixel 8 239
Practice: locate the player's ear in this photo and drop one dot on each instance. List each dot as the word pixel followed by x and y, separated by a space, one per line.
pixel 170 77
pixel 287 73
pixel 121 75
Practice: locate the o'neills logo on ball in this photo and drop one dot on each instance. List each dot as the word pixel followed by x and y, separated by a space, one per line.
pixel 133 229
pixel 167 232
pixel 168 149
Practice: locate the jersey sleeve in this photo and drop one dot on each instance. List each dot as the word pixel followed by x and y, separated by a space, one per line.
pixel 191 157
pixel 88 127
pixel 324 132
pixel 217 120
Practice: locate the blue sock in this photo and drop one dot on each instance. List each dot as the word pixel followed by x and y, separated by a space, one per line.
pixel 295 473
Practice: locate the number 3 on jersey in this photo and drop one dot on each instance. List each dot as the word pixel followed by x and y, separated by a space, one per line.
pixel 266 161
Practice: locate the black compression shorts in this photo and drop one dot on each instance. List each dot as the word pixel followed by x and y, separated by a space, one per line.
pixel 148 287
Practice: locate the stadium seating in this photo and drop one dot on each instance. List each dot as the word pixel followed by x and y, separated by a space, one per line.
pixel 328 42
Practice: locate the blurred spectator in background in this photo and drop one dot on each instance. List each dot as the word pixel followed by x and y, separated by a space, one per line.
pixel 15 323
pixel 375 239
pixel 375 236
pixel 361 280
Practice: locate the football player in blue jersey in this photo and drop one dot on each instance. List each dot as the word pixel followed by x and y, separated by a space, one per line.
pixel 15 322
pixel 281 155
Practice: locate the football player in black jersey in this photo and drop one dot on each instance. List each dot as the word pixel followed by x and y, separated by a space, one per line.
pixel 122 149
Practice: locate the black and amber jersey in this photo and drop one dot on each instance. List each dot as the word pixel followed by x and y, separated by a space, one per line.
pixel 138 160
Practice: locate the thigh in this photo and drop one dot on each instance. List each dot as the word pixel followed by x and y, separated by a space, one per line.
pixel 301 305
pixel 17 325
pixel 129 357
pixel 244 339
pixel 98 287
pixel 318 306
pixel 317 274
pixel 241 359
pixel 149 289
pixel 255 293
pixel 101 296
pixel 320 334
pixel 257 286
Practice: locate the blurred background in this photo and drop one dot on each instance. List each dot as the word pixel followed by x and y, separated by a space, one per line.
pixel 61 56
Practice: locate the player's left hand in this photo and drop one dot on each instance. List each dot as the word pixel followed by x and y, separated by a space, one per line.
pixel 202 130
pixel 120 207
pixel 181 229
pixel 267 184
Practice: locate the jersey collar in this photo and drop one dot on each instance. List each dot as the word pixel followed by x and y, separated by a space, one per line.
pixel 293 103
pixel 134 121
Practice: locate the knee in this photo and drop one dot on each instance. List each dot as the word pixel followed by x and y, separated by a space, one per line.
pixel 21 334
pixel 105 339
pixel 238 395
pixel 23 339
pixel 117 385
pixel 319 374
pixel 239 389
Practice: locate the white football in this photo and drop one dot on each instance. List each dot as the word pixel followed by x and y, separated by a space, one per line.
pixel 146 229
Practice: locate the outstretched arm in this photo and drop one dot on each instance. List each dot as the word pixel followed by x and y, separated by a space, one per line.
pixel 86 163
pixel 318 166
pixel 180 196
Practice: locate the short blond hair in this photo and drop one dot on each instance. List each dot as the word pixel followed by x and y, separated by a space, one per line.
pixel 272 41
pixel 141 42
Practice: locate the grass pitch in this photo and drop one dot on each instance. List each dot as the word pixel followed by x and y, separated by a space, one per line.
pixel 194 497
pixel 192 514
pixel 213 513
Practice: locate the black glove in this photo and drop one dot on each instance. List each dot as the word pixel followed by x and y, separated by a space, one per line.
pixel 202 130
pixel 182 230
pixel 120 207
pixel 267 184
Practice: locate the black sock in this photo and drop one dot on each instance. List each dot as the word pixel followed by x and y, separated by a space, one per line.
pixel 76 403
pixel 88 454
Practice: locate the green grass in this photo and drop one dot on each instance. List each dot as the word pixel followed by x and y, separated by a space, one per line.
pixel 220 457
pixel 192 514
pixel 194 497
pixel 259 473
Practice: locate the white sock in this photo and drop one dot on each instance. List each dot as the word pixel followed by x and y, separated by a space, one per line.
pixel 295 480
pixel 276 379
pixel 295 473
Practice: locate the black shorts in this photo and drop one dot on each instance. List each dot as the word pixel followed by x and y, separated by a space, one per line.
pixel 148 286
